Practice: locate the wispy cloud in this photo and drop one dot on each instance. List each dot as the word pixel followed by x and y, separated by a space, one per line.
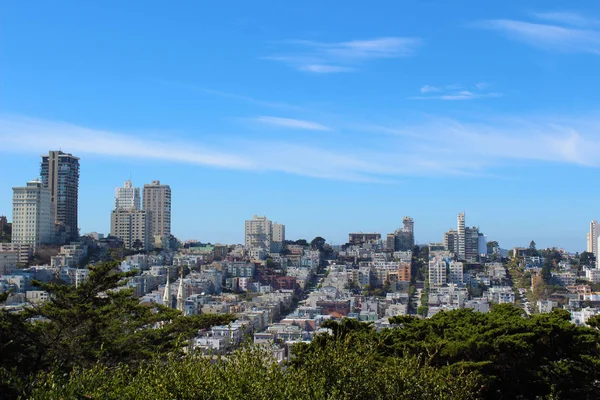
pixel 330 57
pixel 436 147
pixel 566 35
pixel 429 89
pixel 234 96
pixel 324 68
pixel 292 123
pixel 567 18
pixel 454 92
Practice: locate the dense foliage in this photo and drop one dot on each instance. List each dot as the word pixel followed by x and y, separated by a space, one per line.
pixel 88 325
pixel 250 373
pixel 544 356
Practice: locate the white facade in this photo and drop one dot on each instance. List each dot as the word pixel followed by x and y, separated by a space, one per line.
pixel 127 197
pixel 456 275
pixel 437 272
pixel 592 275
pixel 33 222
pixel 580 318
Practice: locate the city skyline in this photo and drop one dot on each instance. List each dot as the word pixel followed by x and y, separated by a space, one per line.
pixel 330 127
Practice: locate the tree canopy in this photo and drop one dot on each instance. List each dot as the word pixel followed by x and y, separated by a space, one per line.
pixel 96 322
pixel 513 356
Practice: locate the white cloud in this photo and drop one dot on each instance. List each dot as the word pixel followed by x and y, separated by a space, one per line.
pixel 549 37
pixel 567 18
pixel 428 89
pixel 388 47
pixel 454 92
pixel 436 147
pixel 235 96
pixel 292 123
pixel 329 57
pixel 323 68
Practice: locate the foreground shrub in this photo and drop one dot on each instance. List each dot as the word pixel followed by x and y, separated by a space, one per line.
pixel 334 373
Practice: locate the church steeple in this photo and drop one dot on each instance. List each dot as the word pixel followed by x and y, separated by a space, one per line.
pixel 167 298
pixel 181 293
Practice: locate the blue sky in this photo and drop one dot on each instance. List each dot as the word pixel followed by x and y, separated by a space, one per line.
pixel 329 117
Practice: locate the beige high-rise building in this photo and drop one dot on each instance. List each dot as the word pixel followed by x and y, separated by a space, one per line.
pixel 258 233
pixel 592 238
pixel 33 222
pixel 157 202
pixel 133 227
pixel 60 174
pixel 278 232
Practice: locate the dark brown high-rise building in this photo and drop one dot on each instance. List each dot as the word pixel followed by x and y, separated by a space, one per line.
pixel 60 173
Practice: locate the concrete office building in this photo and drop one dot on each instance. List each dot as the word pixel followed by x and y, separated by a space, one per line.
pixel 277 237
pixel 3 223
pixel 32 215
pixel 471 244
pixel 278 232
pixel 23 251
pixel 133 227
pixel 359 238
pixel 60 174
pixel 127 197
pixel 402 239
pixel 157 203
pixel 451 241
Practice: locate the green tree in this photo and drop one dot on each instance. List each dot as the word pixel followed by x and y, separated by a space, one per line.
pixel 546 273
pixel 270 263
pixel 301 242
pixel 492 246
pixel 587 258
pixel 317 243
pixel 532 251
pixel 541 356
pixel 137 245
pixel 422 311
pixel 96 322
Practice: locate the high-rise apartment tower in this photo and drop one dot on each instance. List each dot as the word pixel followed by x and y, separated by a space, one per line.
pixel 60 174
pixel 32 215
pixel 461 236
pixel 157 202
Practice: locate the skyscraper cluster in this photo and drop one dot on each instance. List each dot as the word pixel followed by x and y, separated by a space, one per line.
pixel 142 228
pixel 467 243
pixel 402 239
pixel 45 211
pixel 263 236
